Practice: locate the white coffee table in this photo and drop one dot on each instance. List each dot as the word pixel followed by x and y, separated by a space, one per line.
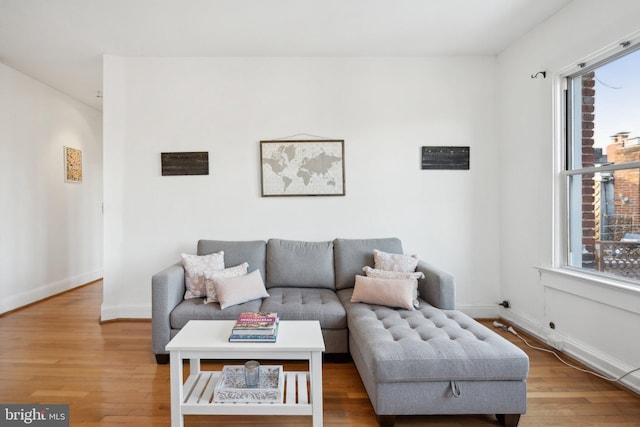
pixel 208 339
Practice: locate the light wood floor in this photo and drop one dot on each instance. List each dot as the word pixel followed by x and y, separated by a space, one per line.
pixel 56 351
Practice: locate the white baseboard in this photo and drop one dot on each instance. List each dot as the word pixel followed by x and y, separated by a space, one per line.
pixel 124 312
pixel 47 290
pixel 479 311
pixel 593 358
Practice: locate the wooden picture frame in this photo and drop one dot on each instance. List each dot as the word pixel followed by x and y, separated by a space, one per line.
pixel 302 168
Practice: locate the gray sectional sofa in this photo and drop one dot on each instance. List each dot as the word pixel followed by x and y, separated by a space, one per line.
pixel 431 360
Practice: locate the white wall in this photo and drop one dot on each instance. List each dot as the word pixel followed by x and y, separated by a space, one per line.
pixel 384 108
pixel 50 231
pixel 597 323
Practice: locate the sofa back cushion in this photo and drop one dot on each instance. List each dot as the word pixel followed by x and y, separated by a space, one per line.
pixel 351 255
pixel 236 252
pixel 298 264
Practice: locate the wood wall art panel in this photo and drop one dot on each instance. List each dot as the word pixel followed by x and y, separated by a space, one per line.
pixel 185 163
pixel 445 157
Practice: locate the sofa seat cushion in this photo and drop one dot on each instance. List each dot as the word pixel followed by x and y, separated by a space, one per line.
pixel 429 344
pixel 307 304
pixel 196 309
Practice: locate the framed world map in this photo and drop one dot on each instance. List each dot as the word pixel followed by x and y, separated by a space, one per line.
pixel 302 168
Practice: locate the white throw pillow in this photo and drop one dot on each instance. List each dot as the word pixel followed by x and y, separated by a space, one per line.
pixel 238 290
pixel 388 292
pixel 394 262
pixel 238 270
pixel 384 274
pixel 195 267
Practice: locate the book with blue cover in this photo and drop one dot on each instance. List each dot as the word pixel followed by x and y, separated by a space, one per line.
pixel 255 337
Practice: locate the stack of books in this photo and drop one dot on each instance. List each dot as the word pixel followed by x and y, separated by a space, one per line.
pixel 255 327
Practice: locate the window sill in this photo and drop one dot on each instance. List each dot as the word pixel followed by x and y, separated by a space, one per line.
pixel 616 293
pixel 619 284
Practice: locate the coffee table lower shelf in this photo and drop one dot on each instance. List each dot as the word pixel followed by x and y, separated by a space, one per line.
pixel 199 395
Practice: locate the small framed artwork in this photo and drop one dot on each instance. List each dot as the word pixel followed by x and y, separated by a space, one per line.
pixel 302 168
pixel 72 164
pixel 445 157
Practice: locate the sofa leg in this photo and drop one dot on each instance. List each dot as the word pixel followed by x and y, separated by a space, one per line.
pixel 337 357
pixel 162 359
pixel 386 420
pixel 508 420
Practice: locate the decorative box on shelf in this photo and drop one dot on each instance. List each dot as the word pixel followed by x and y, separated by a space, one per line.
pixel 231 387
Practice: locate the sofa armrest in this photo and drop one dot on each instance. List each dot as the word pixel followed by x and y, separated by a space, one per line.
pixel 437 288
pixel 167 290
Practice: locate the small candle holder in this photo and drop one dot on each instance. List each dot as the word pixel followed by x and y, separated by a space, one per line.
pixel 252 374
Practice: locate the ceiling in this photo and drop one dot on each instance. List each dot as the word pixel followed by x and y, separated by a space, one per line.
pixel 61 42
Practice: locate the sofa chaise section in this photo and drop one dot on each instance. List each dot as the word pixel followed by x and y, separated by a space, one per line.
pixel 432 360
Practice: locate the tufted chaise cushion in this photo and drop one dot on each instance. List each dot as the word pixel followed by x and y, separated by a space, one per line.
pixel 307 304
pixel 429 344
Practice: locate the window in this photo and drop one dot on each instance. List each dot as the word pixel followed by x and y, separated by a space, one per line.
pixel 602 166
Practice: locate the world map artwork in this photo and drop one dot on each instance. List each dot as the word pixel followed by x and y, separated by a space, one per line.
pixel 302 168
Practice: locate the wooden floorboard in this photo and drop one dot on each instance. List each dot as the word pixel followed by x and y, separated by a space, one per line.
pixel 57 351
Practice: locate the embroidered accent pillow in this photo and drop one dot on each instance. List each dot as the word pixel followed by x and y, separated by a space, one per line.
pixel 241 289
pixel 388 292
pixel 394 262
pixel 238 270
pixel 195 267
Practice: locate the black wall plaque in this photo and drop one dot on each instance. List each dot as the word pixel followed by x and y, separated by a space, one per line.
pixel 186 163
pixel 440 157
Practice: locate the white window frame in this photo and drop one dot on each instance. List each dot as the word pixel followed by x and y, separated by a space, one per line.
pixel 562 173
